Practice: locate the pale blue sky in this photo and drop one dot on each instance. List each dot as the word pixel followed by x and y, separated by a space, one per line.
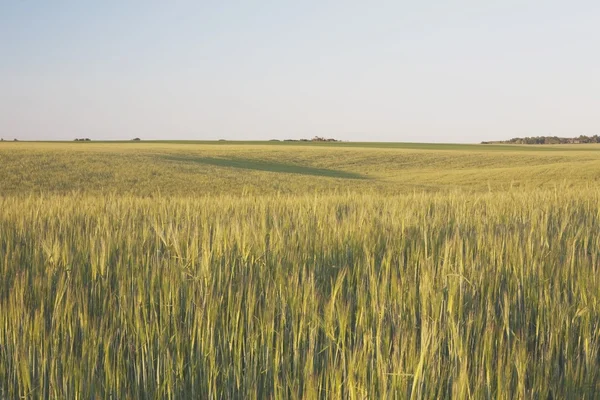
pixel 426 71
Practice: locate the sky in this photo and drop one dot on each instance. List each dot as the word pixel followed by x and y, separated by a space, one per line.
pixel 399 71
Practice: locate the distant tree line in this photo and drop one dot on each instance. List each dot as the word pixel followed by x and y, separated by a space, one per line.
pixel 83 140
pixel 322 139
pixel 315 139
pixel 549 140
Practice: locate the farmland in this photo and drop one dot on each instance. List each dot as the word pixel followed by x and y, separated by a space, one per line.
pixel 266 168
pixel 292 270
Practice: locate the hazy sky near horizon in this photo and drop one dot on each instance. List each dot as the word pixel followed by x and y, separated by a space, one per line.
pixel 426 71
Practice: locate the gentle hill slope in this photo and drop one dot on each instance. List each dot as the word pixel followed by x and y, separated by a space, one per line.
pixel 213 168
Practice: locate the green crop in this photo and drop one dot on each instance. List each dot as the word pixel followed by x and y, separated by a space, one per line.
pixel 361 287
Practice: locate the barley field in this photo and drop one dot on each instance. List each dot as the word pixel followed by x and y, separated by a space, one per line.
pixel 282 270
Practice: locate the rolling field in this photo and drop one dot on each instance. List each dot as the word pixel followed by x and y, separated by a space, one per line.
pixel 266 168
pixel 292 270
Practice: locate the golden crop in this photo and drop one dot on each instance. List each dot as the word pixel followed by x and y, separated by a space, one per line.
pixel 158 270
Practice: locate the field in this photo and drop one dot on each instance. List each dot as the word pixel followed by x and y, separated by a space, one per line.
pixel 294 270
pixel 267 168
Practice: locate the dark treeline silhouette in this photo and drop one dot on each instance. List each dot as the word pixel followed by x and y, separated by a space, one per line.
pixel 549 140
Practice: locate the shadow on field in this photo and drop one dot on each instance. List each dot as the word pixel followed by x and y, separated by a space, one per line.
pixel 269 166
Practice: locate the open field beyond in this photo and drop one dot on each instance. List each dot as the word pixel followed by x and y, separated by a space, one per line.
pixel 266 168
pixel 277 270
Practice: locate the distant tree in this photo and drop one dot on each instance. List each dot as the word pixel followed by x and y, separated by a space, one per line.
pixel 584 139
pixel 137 139
pixel 15 140
pixel 551 140
pixel 87 139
